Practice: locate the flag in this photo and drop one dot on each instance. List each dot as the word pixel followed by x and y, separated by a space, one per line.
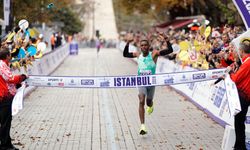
pixel 17 103
pixel 243 7
pixel 6 11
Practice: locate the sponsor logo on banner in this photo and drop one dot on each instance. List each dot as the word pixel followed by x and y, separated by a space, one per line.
pixel 199 76
pixel 169 81
pixel 132 81
pixel 38 79
pixel 104 84
pixel 184 78
pixel 87 82
pixel 219 96
pixel 215 76
pixel 36 83
pixel 61 84
pixel 72 82
pixel 218 72
pixel 53 79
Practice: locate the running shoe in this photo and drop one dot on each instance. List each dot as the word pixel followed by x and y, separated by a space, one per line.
pixel 143 129
pixel 150 109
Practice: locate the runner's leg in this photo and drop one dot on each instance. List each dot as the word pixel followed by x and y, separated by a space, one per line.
pixel 150 96
pixel 141 108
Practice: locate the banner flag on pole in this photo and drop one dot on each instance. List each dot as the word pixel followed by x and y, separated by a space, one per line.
pixel 6 11
pixel 243 7
pixel 17 103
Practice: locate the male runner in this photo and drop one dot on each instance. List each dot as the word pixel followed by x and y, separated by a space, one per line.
pixel 146 66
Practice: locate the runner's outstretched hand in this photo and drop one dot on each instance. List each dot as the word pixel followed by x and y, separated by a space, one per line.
pixel 130 37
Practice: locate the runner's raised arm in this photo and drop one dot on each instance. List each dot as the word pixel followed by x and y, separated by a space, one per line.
pixel 164 52
pixel 126 52
pixel 126 49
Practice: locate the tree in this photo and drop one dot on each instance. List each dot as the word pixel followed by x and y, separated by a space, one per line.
pixel 72 24
pixel 148 11
pixel 228 11
pixel 37 11
pixel 217 11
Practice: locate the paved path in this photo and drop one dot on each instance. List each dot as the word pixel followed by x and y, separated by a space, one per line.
pixel 105 19
pixel 107 119
pixel 100 17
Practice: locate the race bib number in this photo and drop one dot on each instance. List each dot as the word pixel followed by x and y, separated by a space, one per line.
pixel 145 72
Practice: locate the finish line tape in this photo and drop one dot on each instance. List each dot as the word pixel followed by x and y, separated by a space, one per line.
pixel 131 81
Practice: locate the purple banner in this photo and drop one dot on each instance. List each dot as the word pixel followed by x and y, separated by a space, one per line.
pixel 243 7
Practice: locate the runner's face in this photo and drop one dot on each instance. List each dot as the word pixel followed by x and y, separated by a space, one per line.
pixel 144 47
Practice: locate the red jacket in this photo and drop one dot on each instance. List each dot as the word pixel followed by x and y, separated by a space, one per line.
pixel 228 62
pixel 242 77
pixel 8 81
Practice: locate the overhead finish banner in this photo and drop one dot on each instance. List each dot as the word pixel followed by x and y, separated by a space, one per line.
pixel 243 7
pixel 124 81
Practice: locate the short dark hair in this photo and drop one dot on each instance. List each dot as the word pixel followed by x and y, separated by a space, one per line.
pixel 144 40
pixel 245 46
pixel 4 52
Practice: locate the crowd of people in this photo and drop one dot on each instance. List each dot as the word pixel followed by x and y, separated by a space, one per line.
pixel 57 39
pixel 24 48
pixel 19 48
pixel 192 48
pixel 92 42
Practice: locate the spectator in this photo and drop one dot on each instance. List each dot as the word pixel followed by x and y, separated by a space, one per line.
pixel 52 41
pixel 8 83
pixel 216 47
pixel 58 40
pixel 40 38
pixel 227 57
pixel 242 81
